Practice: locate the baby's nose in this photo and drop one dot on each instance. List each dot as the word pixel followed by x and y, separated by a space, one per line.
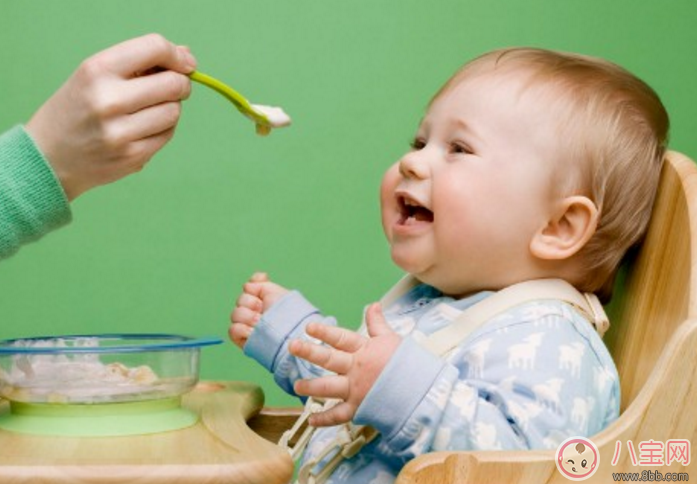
pixel 413 165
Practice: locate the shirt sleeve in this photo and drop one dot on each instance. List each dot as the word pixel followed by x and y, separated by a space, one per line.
pixel 32 201
pixel 279 325
pixel 527 386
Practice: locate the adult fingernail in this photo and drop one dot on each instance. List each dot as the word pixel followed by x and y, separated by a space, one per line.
pixel 190 60
pixel 188 57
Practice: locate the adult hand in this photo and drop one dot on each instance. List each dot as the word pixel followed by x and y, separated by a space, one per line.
pixel 114 113
pixel 356 360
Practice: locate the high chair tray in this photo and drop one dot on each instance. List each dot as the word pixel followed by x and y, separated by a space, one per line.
pixel 220 448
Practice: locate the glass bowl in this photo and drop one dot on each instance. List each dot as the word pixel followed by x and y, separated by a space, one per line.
pixel 101 368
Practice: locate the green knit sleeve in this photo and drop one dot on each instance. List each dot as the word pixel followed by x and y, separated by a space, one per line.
pixel 32 201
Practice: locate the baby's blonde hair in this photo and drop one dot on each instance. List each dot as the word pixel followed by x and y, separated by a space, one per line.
pixel 613 130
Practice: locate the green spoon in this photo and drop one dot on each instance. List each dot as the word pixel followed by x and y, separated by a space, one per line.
pixel 265 117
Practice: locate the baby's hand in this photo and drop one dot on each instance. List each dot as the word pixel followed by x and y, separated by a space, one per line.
pixel 257 296
pixel 356 360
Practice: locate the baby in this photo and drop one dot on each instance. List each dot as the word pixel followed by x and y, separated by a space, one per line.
pixel 529 164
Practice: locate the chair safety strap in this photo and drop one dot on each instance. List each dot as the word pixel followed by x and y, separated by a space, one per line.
pixel 448 338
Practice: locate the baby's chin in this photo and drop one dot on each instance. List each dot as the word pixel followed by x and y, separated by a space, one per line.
pixel 428 272
pixel 408 264
pixel 424 273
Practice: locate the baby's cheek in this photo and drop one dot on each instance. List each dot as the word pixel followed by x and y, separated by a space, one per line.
pixel 389 183
pixel 387 195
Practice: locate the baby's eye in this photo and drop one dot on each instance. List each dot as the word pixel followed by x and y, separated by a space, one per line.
pixel 417 144
pixel 461 148
pixel 584 463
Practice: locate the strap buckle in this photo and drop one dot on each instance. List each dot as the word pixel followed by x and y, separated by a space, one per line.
pixel 311 406
pixel 350 439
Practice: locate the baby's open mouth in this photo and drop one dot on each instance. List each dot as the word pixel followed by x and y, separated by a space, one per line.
pixel 412 211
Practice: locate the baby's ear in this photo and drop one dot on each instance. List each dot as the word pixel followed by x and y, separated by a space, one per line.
pixel 567 231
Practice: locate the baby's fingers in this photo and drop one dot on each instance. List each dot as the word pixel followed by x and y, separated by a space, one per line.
pixel 338 414
pixel 332 386
pixel 259 277
pixel 250 301
pixel 328 358
pixel 239 334
pixel 339 338
pixel 245 316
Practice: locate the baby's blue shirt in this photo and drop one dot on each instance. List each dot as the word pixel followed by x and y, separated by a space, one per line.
pixel 528 379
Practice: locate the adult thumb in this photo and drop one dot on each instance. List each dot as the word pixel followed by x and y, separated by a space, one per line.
pixel 376 322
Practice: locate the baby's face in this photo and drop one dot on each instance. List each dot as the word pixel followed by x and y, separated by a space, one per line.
pixel 460 208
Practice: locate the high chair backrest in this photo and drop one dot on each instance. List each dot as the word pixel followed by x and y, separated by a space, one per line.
pixel 657 288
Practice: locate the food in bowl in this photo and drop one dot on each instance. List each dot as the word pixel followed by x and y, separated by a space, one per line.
pixel 89 369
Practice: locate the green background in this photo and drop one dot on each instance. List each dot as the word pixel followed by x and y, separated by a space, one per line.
pixel 167 250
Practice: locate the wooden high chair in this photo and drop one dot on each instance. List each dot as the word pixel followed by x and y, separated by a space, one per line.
pixel 653 340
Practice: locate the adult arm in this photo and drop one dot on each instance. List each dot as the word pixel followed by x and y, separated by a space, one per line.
pixel 32 201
